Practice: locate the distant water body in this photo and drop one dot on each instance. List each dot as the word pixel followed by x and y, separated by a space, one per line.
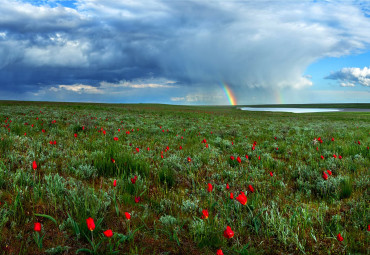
pixel 300 110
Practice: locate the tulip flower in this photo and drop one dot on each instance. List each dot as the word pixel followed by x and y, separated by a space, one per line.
pixel 334 156
pixel 322 157
pixel 137 149
pixel 75 135
pixel 219 252
pixel 329 172
pixel 210 188
pixel 90 224
pixel 34 165
pixel 108 233
pixel 133 180
pixel 332 139
pixel 104 132
pixel 259 157
pixel 189 159
pixel 228 233
pixel 127 215
pixel 113 161
pixel 271 174
pixel 227 186
pixel 242 198
pixel 239 159
pixel 114 183
pixel 340 157
pixel 324 176
pixel 368 227
pixel 251 189
pixel 246 156
pixel 137 199
pixel 115 138
pixel 231 196
pixel 37 227
pixel 339 237
pixel 359 142
pixel 232 157
pixel 205 214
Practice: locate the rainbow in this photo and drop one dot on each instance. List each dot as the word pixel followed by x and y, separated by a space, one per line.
pixel 229 93
pixel 279 99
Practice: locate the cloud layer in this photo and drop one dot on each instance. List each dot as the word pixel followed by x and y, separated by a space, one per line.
pixel 352 76
pixel 197 44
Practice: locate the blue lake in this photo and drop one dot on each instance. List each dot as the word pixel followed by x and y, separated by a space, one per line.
pixel 293 110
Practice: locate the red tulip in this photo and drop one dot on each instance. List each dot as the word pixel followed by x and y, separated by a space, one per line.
pixel 37 227
pixel 228 233
pixel 180 148
pixel 339 237
pixel 251 189
pixel 253 148
pixel 242 198
pixel 34 165
pixel 137 149
pixel 239 159
pixel 210 188
pixel 207 145
pixel 113 161
pixel 340 157
pixel 205 214
pixel 358 142
pixel 114 183
pixel 334 156
pixel 104 132
pixel 108 233
pixel 75 135
pixel 127 215
pixel 317 148
pixel 90 224
pixel 332 139
pixel 275 137
pixel 271 174
pixel 148 149
pixel 259 157
pixel 137 199
pixel 189 159
pixel 231 196
pixel 115 138
pixel 324 176
pixel 368 227
pixel 329 172
pixel 227 186
pixel 219 252
pixel 322 157
pixel 133 180
pixel 232 157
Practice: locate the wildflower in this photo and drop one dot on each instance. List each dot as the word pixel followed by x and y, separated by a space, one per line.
pixel 189 159
pixel 332 139
pixel 259 157
pixel 251 189
pixel 219 252
pixel 340 157
pixel 239 159
pixel 148 149
pixel 232 157
pixel 271 174
pixel 113 161
pixel 339 237
pixel 127 215
pixel 210 188
pixel 334 156
pixel 322 157
pixel 368 227
pixel 246 156
pixel 75 135
pixel 275 138
pixel 114 183
pixel 180 148
pixel 231 195
pixel 115 138
pixel 133 180
pixel 137 149
pixel 324 176
pixel 104 132
pixel 108 233
pixel 205 214
pixel 137 199
pixel 359 142
pixel 242 198
pixel 37 227
pixel 90 224
pixel 34 165
pixel 227 186
pixel 329 172
pixel 228 233
pixel 207 145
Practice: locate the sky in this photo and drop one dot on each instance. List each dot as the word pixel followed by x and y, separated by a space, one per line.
pixel 196 52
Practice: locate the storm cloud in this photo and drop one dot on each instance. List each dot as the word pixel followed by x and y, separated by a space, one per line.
pixel 193 44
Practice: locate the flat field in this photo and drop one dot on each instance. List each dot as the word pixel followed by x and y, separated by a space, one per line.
pixel 172 169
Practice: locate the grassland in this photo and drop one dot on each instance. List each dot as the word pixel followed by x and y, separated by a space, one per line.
pixel 176 152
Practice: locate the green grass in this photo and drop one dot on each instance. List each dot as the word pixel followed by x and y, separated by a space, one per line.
pixel 295 211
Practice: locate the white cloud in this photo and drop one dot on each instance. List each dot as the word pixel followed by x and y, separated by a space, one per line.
pixel 350 76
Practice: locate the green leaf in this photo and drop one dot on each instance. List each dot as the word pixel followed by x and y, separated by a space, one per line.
pixel 47 216
pixel 84 250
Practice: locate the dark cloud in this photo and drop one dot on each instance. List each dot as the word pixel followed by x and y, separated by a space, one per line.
pixel 249 44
